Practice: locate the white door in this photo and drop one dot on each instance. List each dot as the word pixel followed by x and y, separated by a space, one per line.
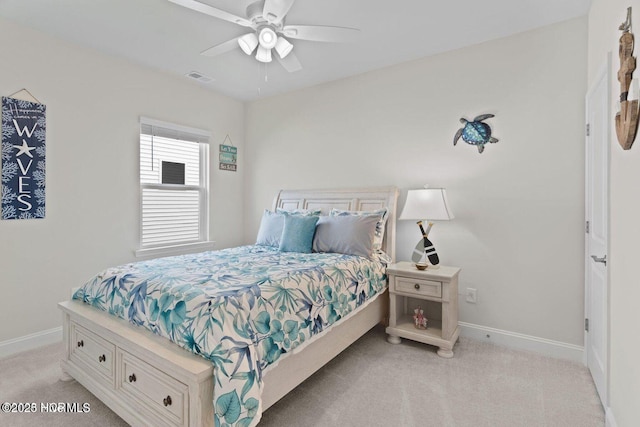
pixel 596 242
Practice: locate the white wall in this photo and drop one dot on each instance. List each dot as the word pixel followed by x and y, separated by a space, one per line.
pixel 624 283
pixel 93 105
pixel 519 206
pixel 518 231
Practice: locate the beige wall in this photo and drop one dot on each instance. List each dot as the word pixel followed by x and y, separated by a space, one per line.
pixel 93 105
pixel 624 212
pixel 519 206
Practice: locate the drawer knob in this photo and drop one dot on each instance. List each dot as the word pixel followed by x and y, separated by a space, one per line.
pixel 417 286
pixel 81 343
pixel 167 401
pixel 102 358
pixel 132 378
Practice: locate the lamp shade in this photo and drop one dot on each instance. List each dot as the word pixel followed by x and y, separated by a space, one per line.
pixel 263 55
pixel 267 38
pixel 248 43
pixel 427 203
pixel 283 47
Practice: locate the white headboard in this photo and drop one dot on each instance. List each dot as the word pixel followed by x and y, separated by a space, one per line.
pixel 353 199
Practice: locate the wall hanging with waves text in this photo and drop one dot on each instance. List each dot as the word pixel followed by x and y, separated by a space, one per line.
pixel 23 159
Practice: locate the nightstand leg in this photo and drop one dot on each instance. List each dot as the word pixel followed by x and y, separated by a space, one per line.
pixel 395 340
pixel 393 316
pixel 447 354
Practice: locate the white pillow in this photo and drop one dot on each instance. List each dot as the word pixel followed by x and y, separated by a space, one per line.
pixel 382 215
pixel 346 234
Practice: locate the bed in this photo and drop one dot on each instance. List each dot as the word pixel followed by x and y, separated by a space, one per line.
pixel 116 341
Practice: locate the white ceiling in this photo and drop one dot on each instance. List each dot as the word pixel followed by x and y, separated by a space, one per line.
pixel 165 36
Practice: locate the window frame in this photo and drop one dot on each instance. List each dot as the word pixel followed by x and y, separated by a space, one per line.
pixel 203 242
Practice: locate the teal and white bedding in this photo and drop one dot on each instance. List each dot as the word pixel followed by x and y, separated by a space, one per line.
pixel 241 308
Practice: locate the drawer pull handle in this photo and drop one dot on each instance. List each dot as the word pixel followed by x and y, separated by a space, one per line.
pixel 167 401
pixel 102 358
pixel 132 378
pixel 417 286
pixel 81 343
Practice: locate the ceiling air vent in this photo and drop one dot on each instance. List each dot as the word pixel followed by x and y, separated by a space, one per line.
pixel 199 77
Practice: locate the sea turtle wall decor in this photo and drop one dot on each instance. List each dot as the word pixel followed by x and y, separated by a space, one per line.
pixel 476 132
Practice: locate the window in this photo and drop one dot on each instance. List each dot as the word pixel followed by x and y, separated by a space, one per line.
pixel 174 186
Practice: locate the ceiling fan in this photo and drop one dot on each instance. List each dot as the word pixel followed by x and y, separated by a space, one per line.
pixel 266 20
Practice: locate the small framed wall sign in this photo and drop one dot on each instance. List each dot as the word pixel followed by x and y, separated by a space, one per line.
pixel 228 158
pixel 23 159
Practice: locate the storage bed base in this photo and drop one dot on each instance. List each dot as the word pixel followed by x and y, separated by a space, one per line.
pixel 134 371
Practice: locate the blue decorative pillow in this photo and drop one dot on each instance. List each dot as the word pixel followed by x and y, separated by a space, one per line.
pixel 297 235
pixel 272 224
pixel 271 227
pixel 346 234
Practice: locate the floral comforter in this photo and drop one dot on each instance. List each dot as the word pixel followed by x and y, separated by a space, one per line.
pixel 241 308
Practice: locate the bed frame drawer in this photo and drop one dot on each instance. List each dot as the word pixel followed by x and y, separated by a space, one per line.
pixel 163 395
pixel 165 373
pixel 90 349
pixel 419 287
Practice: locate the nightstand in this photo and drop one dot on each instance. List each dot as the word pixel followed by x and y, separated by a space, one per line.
pixel 436 292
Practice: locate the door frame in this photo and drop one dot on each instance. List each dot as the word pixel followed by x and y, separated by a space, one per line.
pixel 604 72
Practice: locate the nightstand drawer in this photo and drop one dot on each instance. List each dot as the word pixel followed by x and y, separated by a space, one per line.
pixel 418 287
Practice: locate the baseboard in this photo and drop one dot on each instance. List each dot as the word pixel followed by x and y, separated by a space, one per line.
pixel 518 341
pixel 500 337
pixel 609 420
pixel 31 341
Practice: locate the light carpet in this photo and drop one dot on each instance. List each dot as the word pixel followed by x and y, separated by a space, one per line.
pixel 372 383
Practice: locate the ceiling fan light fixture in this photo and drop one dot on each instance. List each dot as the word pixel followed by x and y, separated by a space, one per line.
pixel 263 55
pixel 248 43
pixel 283 47
pixel 268 38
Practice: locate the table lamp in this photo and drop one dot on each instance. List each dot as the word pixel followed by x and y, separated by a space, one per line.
pixel 431 204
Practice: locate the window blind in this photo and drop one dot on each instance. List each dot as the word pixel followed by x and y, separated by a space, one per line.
pixel 180 133
pixel 172 214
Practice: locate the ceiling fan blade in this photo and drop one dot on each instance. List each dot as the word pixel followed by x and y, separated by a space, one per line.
pixel 290 62
pixel 221 48
pixel 320 33
pixel 213 11
pixel 275 10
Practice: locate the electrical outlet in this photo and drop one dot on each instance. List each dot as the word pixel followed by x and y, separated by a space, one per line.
pixel 471 295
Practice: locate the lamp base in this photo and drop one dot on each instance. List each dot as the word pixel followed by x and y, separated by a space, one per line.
pixel 425 266
pixel 420 255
